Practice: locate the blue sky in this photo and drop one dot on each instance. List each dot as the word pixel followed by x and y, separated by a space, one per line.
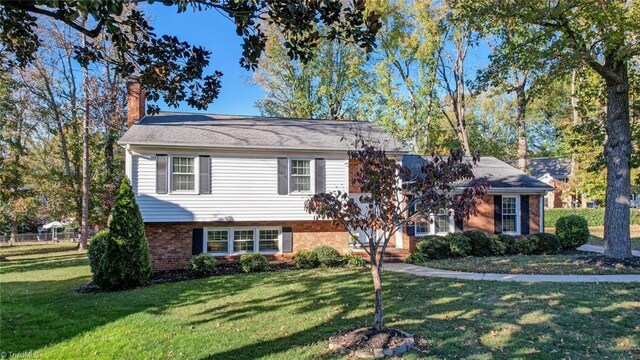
pixel 216 34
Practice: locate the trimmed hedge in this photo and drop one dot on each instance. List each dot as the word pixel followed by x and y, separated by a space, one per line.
pixel 97 246
pixel 202 265
pixel 480 243
pixel 498 248
pixel 594 217
pixel 305 259
pixel 253 262
pixel 327 256
pixel 547 244
pixel 526 246
pixel 459 244
pixel 572 231
pixel 508 241
pixel 434 247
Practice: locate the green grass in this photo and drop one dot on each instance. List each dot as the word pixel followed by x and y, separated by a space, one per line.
pixel 522 264
pixel 597 235
pixel 290 315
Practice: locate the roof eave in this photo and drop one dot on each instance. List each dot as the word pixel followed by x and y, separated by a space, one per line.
pixel 206 146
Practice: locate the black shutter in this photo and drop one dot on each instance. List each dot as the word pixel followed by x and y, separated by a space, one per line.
pixel 205 174
pixel 198 240
pixel 459 223
pixel 524 214
pixel 497 213
pixel 283 176
pixel 411 229
pixel 320 175
pixel 287 240
pixel 161 173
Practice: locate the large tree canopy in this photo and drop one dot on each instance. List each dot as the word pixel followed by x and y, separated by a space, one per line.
pixel 170 68
pixel 601 35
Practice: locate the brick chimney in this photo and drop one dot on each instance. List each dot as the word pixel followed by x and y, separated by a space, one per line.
pixel 136 101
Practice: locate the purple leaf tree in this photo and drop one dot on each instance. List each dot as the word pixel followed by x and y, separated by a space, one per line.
pixel 393 196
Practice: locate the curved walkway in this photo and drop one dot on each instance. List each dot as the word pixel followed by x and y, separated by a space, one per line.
pixel 430 272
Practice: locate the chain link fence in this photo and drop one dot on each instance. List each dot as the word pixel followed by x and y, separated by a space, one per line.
pixel 40 237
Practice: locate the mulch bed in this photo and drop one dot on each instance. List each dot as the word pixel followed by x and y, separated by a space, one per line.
pixel 366 342
pixel 171 276
pixel 607 263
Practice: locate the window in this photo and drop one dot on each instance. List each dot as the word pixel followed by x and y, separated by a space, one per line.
pixel 300 179
pixel 509 214
pixel 183 174
pixel 268 240
pixel 243 240
pixel 218 241
pixel 441 221
pixel 423 228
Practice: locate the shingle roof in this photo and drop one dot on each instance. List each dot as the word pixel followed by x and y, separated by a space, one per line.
pixel 500 174
pixel 238 131
pixel 558 168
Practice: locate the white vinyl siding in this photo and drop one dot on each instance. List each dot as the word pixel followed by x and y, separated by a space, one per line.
pixel 243 188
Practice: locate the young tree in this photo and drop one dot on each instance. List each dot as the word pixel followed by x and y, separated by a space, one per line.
pixel 604 38
pixel 168 67
pixel 395 196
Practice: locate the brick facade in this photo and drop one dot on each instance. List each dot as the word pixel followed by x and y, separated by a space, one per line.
pixel 484 220
pixel 170 244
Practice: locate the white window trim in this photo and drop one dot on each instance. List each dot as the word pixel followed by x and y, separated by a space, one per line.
pixel 518 228
pixel 256 240
pixel 432 227
pixel 312 169
pixel 196 175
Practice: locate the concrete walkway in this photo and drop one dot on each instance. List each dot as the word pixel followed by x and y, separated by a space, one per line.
pixel 430 272
pixel 600 249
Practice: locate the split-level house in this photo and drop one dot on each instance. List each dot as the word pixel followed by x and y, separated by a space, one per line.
pixel 228 185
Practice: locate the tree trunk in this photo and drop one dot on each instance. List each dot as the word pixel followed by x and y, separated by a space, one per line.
pixel 617 153
pixel 376 273
pixel 522 127
pixel 84 229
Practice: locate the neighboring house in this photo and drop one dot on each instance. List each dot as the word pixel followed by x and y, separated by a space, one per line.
pixel 554 172
pixel 228 185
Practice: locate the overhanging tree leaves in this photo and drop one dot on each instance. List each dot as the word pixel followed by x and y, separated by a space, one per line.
pixel 394 196
pixel 170 68
pixel 604 36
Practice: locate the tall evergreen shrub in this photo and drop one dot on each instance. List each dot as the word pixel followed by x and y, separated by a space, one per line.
pixel 126 263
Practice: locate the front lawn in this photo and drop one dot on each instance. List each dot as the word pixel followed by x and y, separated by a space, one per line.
pixel 524 264
pixel 290 315
pixel 597 235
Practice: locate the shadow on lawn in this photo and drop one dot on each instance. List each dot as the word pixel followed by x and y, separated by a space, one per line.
pixel 458 319
pixel 22 250
pixel 43 263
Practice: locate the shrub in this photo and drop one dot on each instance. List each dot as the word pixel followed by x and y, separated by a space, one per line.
pixel 253 262
pixel 97 246
pixel 416 257
pixel 125 263
pixel 351 260
pixel 498 248
pixel 305 259
pixel 459 244
pixel 526 246
pixel 434 247
pixel 594 217
pixel 508 241
pixel 547 244
pixel 202 265
pixel 572 231
pixel 480 244
pixel 327 256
